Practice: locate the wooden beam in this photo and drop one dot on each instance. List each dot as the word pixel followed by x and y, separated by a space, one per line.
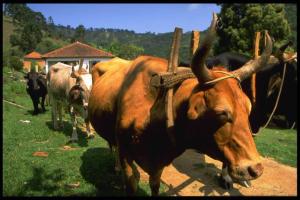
pixel 172 67
pixel 253 77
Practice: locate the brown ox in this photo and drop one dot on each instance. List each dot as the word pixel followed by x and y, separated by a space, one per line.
pixel 71 89
pixel 210 113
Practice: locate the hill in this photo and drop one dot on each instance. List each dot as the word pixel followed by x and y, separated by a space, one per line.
pixel 8 29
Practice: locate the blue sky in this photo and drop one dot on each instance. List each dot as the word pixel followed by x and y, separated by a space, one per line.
pixel 141 18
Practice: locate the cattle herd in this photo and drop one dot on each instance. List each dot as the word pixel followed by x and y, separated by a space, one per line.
pixel 211 111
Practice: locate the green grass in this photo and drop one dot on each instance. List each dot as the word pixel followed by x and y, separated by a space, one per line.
pixel 278 144
pixel 90 164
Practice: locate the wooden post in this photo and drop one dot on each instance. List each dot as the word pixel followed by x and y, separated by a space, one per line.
pixel 172 67
pixel 36 68
pixel 265 37
pixel 253 77
pixel 194 43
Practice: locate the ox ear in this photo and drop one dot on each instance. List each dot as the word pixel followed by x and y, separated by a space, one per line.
pixel 197 107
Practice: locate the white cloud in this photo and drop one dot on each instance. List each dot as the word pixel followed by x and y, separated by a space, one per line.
pixel 193 6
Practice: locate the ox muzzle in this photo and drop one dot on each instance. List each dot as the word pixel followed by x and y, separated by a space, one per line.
pixel 246 173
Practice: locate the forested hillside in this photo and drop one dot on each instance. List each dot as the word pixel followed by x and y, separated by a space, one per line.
pixel 21 36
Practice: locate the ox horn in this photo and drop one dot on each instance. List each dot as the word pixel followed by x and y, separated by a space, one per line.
pixel 280 52
pixel 254 66
pixel 73 70
pixel 74 74
pixel 80 63
pixel 198 65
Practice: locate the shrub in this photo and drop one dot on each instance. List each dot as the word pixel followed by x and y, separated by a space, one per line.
pixel 15 63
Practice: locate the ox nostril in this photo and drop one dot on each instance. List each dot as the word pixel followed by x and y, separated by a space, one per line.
pixel 255 170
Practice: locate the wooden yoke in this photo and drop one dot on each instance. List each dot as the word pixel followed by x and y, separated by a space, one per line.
pixel 253 77
pixel 172 67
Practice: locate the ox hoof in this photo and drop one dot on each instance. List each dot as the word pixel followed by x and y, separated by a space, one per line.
pixel 225 184
pixel 117 169
pixel 90 135
pixel 73 139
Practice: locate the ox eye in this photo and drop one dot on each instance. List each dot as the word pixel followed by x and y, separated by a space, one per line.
pixel 224 116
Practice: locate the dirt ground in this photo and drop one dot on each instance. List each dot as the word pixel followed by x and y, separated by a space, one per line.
pixel 188 175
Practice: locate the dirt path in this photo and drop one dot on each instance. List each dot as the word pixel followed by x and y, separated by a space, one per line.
pixel 189 176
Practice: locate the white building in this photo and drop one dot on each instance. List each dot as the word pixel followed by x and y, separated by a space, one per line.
pixel 72 53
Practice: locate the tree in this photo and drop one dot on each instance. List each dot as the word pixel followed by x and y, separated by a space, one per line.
pixel 30 37
pixel 291 15
pixel 50 27
pixel 79 34
pixel 16 12
pixel 47 45
pixel 241 21
pixel 125 51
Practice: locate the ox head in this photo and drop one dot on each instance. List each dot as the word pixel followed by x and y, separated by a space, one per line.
pixel 33 78
pixel 268 83
pixel 219 108
pixel 80 92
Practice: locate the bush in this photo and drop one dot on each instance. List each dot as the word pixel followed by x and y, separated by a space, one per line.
pixel 15 63
pixel 5 61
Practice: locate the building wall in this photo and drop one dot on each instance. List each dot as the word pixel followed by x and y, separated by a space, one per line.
pixel 27 63
pixel 87 62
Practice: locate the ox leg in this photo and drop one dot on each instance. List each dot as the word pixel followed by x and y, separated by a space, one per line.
pixel 43 103
pixel 35 102
pixel 74 123
pixel 88 129
pixel 54 114
pixel 115 150
pixel 154 181
pixel 60 107
pixel 129 174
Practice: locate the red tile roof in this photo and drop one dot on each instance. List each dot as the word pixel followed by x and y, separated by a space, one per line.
pixel 75 50
pixel 34 55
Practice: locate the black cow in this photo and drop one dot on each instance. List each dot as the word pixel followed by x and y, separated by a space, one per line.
pixel 36 88
pixel 265 98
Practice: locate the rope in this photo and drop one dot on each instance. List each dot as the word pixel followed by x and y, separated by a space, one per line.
pixel 15 104
pixel 229 75
pixel 277 99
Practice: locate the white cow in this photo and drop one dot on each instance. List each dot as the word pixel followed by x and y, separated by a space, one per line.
pixel 70 88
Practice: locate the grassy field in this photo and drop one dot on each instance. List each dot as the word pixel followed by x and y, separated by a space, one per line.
pixel 87 168
pixel 90 162
pixel 278 144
